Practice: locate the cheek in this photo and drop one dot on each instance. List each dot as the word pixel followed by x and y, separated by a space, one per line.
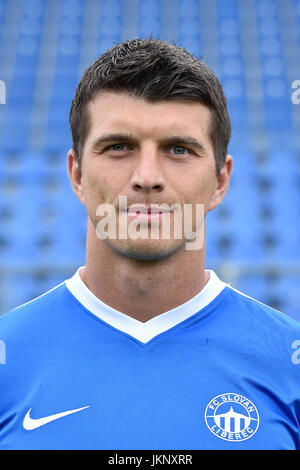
pixel 93 189
pixel 100 187
pixel 199 190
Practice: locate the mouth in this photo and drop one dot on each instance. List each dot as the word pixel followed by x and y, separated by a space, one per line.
pixel 147 213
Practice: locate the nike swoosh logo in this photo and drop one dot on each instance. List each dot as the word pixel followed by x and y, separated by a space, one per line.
pixel 30 423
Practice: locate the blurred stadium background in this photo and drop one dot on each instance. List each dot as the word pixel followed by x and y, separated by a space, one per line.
pixel 253 238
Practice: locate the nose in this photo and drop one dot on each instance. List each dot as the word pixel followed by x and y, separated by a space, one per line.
pixel 148 173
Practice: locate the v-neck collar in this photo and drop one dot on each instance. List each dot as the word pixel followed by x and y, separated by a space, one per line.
pixel 145 331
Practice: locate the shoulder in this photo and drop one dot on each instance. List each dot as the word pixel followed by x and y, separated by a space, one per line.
pixel 266 324
pixel 36 312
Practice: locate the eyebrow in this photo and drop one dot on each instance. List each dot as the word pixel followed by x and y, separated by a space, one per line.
pixel 106 138
pixel 186 140
pixel 173 140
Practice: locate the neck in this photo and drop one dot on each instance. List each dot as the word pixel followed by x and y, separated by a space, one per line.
pixel 142 289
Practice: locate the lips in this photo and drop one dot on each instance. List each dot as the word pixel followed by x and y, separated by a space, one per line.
pixel 147 213
pixel 150 210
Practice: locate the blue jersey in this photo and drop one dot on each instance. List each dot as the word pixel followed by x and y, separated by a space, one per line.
pixel 218 372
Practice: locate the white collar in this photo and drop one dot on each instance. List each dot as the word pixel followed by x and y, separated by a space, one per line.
pixel 153 327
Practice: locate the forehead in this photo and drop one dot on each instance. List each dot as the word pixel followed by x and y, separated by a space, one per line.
pixel 125 113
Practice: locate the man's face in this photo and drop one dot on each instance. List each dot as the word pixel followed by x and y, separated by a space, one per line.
pixel 152 154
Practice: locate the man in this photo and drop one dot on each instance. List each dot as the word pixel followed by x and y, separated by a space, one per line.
pixel 143 348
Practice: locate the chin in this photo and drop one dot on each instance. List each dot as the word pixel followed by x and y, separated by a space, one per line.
pixel 145 250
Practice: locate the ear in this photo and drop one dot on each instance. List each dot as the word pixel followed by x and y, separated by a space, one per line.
pixel 222 183
pixel 75 175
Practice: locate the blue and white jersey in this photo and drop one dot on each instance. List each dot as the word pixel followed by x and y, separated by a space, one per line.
pixel 220 371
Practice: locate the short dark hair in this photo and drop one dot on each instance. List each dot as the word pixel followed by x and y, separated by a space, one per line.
pixel 155 71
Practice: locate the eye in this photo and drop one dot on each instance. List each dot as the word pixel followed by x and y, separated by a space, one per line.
pixel 178 150
pixel 118 147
